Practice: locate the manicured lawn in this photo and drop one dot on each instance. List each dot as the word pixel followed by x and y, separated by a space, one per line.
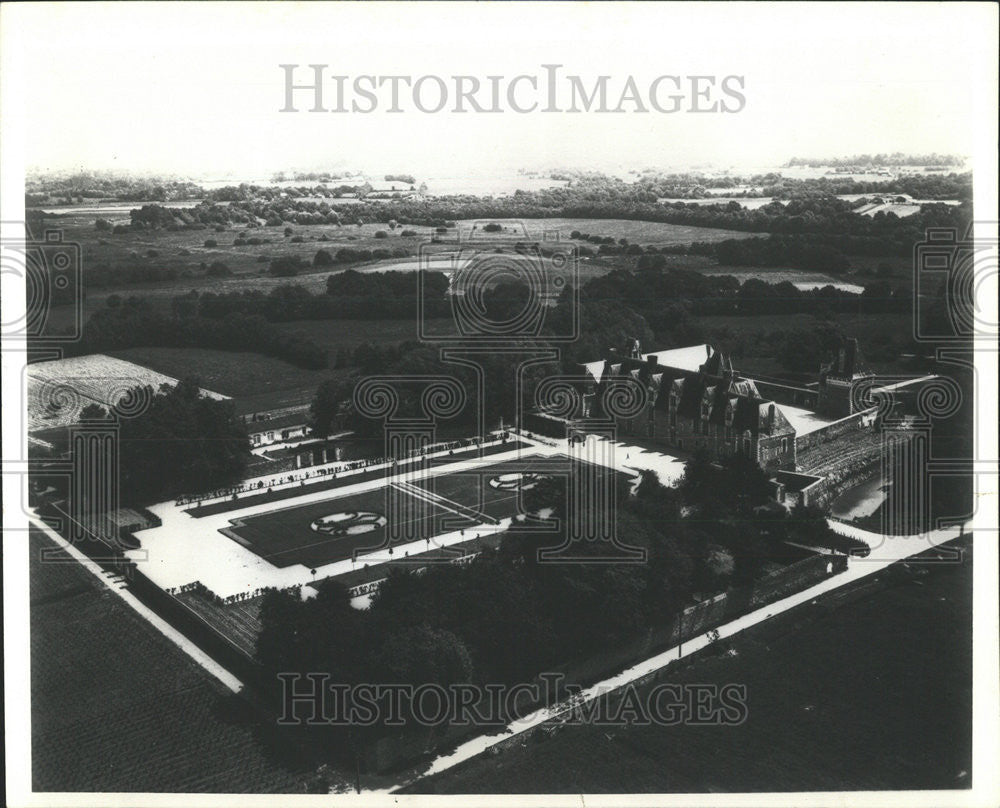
pixel 457 500
pixel 285 537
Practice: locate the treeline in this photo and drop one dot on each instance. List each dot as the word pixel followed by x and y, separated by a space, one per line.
pixel 777 251
pixel 655 293
pixel 818 212
pixel 349 295
pixel 881 159
pixel 84 186
pixel 773 184
pixel 135 323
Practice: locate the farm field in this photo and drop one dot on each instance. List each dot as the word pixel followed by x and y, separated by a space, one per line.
pixel 230 373
pixel 117 707
pixel 252 375
pixel 842 694
pixel 456 500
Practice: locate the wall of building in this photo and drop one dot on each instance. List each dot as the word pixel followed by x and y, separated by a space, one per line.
pixel 776 452
pixel 787 394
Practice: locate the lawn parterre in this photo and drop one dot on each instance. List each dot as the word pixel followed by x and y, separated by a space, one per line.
pixel 422 509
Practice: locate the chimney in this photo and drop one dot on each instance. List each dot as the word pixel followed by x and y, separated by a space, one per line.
pixel 770 418
pixel 708 351
pixel 651 361
pixel 850 359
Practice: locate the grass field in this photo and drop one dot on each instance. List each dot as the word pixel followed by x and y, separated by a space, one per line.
pixel 452 502
pixel 251 374
pixel 868 688
pixel 233 374
pixel 637 232
pixel 116 707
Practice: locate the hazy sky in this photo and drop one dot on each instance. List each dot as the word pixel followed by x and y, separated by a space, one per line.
pixel 195 90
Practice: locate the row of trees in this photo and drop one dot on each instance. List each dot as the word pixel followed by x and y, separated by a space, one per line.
pixel 135 323
pixel 349 295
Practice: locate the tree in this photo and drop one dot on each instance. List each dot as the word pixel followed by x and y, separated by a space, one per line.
pixel 323 259
pixel 93 412
pixel 422 655
pixel 332 399
pixel 286 266
pixel 182 442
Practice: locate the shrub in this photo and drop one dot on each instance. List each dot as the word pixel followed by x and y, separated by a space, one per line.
pixel 492 227
pixel 151 253
pixel 211 242
pixel 323 259
pixel 408 233
pixel 381 234
pixel 297 240
pixel 286 267
pixel 218 269
pixel 102 225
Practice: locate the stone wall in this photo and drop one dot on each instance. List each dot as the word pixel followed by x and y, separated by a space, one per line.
pixel 859 422
pixel 843 463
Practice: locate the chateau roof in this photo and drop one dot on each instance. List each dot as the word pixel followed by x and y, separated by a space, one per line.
pixel 690 358
pixel 699 373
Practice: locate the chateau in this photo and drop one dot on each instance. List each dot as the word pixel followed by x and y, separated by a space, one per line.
pixel 710 407
pixel 815 440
